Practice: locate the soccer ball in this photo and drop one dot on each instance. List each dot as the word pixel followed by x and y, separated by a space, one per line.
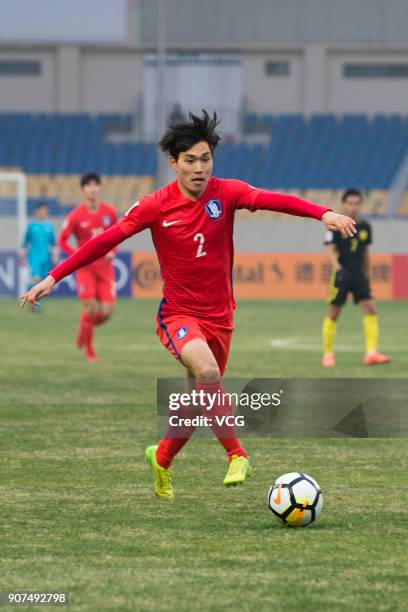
pixel 295 499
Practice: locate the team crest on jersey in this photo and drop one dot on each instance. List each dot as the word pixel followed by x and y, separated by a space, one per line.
pixel 363 235
pixel 213 208
pixel 106 220
pixel 182 332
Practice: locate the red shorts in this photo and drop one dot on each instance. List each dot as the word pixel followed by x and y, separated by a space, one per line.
pixel 175 331
pixel 96 284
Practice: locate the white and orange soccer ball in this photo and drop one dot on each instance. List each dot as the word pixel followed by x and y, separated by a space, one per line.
pixel 295 499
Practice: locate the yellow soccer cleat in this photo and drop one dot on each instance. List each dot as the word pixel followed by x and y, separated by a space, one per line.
pixel 238 471
pixel 161 476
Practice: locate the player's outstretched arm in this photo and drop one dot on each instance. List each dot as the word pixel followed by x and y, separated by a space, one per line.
pixel 89 252
pixel 339 223
pixel 251 198
pixel 37 292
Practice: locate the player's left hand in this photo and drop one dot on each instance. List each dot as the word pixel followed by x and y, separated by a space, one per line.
pixel 37 292
pixel 339 223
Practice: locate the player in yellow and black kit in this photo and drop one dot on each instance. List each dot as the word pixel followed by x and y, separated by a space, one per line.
pixel 349 258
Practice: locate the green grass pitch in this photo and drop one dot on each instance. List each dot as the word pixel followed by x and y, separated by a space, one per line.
pixel 77 510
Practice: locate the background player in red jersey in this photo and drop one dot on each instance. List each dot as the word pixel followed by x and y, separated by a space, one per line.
pixel 191 221
pixel 95 282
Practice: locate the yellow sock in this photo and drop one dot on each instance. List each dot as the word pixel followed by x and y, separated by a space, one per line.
pixel 329 334
pixel 370 323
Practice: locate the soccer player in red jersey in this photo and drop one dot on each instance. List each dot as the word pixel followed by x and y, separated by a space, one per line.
pixel 191 221
pixel 95 282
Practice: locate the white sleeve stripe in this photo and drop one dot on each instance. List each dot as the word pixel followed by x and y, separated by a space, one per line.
pixel 132 207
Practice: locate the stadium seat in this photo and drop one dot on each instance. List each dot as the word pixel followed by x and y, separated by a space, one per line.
pixel 320 155
pixel 376 203
pixel 403 207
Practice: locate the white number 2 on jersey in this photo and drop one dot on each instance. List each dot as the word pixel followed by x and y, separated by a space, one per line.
pixel 200 252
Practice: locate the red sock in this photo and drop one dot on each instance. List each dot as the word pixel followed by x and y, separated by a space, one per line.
pixel 168 449
pixel 173 441
pixel 222 407
pixel 100 318
pixel 86 328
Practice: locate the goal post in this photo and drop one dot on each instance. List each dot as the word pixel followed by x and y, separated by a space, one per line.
pixel 19 193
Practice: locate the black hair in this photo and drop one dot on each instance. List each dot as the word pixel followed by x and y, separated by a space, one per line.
pixel 88 177
pixel 352 192
pixel 40 205
pixel 182 136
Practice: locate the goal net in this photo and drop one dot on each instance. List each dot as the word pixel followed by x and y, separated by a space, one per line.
pixel 13 213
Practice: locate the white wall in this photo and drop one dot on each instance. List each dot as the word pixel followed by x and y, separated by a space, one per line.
pixel 111 81
pixel 29 93
pixel 272 94
pixel 95 79
pixel 366 95
pixel 64 21
pixel 68 84
pixel 316 83
pixel 74 80
pixel 245 23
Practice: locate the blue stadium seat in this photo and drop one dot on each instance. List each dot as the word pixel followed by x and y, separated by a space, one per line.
pixel 319 152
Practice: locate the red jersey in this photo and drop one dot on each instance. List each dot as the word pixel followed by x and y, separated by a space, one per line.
pixel 193 240
pixel 84 224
